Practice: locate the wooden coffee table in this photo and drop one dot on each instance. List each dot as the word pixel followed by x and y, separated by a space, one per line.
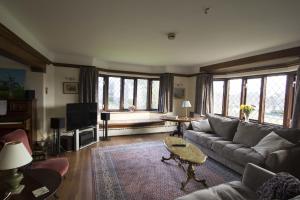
pixel 188 154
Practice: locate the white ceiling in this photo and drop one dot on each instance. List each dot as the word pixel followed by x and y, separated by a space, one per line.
pixel 134 31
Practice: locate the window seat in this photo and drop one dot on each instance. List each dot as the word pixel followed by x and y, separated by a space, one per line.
pixel 133 123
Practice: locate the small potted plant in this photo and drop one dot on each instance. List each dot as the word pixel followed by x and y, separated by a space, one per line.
pixel 247 110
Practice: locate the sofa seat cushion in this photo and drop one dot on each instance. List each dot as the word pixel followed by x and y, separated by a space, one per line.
pixel 202 138
pixel 222 126
pixel 250 134
pixel 246 155
pixel 217 146
pixel 234 190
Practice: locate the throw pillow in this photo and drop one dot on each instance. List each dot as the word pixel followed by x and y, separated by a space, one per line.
pixel 201 126
pixel 222 126
pixel 249 134
pixel 282 186
pixel 272 142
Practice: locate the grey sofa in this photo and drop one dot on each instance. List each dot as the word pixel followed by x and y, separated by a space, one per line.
pixel 253 178
pixel 230 142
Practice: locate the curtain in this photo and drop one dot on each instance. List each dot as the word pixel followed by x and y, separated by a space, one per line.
pixel 204 94
pixel 165 102
pixel 296 111
pixel 88 85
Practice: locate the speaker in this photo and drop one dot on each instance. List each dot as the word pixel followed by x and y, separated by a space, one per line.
pixel 67 142
pixel 105 116
pixel 57 123
pixel 29 94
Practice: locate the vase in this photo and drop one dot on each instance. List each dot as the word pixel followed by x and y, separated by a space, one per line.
pixel 246 117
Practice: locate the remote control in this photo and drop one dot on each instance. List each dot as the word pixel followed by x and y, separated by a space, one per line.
pixel 178 145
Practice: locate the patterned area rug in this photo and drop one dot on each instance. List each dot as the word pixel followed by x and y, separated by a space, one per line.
pixel 135 172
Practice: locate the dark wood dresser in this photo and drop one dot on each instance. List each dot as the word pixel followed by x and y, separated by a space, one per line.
pixel 21 114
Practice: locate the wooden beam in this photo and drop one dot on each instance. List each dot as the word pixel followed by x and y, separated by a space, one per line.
pixel 13 47
pixel 253 59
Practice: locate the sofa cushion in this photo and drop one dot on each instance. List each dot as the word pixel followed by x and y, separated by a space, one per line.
pixel 234 190
pixel 217 146
pixel 201 126
pixel 222 126
pixel 290 134
pixel 250 134
pixel 201 138
pixel 246 155
pixel 272 142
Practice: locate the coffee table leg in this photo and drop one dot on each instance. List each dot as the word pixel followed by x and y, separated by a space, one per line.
pixel 190 173
pixel 172 156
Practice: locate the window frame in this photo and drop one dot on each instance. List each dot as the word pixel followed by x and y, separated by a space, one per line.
pixel 289 96
pixel 122 84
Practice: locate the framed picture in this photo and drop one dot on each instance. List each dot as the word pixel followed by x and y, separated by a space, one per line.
pixel 179 93
pixel 70 87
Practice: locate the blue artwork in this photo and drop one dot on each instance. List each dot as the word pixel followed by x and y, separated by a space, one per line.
pixel 12 83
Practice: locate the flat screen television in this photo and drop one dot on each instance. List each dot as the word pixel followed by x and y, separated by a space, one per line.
pixel 81 115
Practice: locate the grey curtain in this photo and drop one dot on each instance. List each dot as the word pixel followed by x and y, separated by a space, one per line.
pixel 296 111
pixel 204 94
pixel 88 85
pixel 165 102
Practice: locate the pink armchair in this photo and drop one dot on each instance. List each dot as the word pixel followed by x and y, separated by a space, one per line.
pixel 61 165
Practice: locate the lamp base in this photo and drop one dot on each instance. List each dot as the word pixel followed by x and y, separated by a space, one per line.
pixel 18 190
pixel 14 181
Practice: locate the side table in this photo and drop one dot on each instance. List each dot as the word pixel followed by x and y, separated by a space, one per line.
pixel 34 179
pixel 179 122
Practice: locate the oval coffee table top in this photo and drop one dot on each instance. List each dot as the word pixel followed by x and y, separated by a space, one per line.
pixel 189 153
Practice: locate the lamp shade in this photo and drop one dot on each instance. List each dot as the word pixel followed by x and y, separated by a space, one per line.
pixel 14 155
pixel 186 104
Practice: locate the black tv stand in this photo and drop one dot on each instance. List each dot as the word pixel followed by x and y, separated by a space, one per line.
pixel 84 137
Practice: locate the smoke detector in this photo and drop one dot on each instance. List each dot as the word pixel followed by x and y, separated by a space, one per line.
pixel 171 36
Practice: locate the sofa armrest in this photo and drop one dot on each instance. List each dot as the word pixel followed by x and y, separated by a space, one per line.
pixel 254 176
pixel 285 160
pixel 186 126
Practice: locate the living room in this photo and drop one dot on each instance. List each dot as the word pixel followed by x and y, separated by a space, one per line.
pixel 221 77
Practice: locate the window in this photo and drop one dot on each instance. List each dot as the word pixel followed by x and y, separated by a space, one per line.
pixel 253 88
pixel 234 97
pixel 154 94
pixel 275 99
pixel 114 93
pixel 128 92
pixel 119 93
pixel 142 88
pixel 218 96
pixel 100 92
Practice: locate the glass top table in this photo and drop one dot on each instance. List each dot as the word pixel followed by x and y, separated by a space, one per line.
pixel 184 152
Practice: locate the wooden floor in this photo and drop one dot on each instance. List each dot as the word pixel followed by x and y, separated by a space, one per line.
pixel 78 183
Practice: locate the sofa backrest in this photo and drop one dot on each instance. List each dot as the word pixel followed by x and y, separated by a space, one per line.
pixel 223 126
pixel 17 135
pixel 249 134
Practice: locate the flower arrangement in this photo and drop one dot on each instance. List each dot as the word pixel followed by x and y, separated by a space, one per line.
pixel 247 110
pixel 131 108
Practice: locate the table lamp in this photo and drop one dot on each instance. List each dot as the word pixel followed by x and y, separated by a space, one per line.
pixel 186 104
pixel 12 156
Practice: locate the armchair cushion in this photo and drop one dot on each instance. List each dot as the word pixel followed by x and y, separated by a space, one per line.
pixel 61 165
